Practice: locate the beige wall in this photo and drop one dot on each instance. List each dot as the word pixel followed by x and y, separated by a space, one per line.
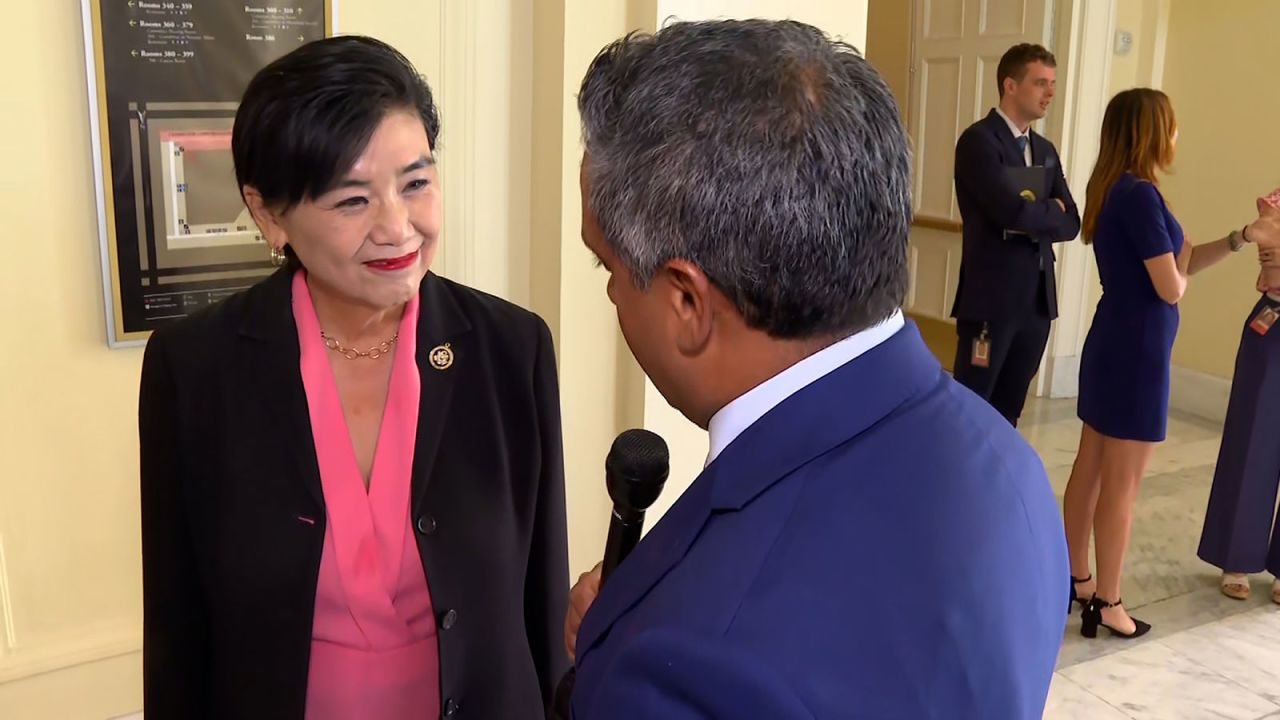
pixel 69 572
pixel 569 288
pixel 1219 63
pixel 1147 22
pixel 1124 68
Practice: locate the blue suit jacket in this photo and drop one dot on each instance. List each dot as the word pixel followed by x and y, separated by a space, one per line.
pixel 1000 276
pixel 880 545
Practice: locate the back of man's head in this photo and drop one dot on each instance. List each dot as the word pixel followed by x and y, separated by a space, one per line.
pixel 765 153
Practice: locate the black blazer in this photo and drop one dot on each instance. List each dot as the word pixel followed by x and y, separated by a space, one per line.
pixel 999 275
pixel 229 470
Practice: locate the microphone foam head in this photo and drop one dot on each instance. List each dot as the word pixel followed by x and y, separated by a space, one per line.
pixel 636 469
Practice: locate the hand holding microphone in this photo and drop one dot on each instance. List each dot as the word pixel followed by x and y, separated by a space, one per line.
pixel 580 598
pixel 635 471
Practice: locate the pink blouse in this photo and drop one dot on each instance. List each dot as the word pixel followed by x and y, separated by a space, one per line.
pixel 373 640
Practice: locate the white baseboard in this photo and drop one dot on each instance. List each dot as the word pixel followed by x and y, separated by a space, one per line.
pixel 1199 394
pixel 135 716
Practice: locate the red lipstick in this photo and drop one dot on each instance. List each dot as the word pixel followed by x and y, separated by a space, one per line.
pixel 398 263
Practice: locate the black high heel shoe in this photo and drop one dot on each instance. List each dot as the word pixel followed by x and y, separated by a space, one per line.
pixel 1092 620
pixel 1075 596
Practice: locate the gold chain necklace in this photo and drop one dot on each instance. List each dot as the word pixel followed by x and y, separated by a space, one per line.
pixel 372 353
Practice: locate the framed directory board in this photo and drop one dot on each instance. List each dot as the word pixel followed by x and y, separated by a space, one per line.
pixel 164 79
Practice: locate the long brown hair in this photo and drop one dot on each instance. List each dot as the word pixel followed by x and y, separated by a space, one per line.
pixel 1137 137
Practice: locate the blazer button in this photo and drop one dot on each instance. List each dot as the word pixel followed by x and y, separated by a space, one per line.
pixel 426 525
pixel 450 708
pixel 449 620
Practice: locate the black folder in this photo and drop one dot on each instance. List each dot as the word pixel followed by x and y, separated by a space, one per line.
pixel 1031 183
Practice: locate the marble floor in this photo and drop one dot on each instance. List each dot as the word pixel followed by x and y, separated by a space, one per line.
pixel 1208 656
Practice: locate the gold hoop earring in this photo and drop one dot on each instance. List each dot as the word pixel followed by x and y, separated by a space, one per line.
pixel 278 257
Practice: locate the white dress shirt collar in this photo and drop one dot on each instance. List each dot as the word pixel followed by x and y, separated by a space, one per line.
pixel 1013 127
pixel 1017 133
pixel 743 412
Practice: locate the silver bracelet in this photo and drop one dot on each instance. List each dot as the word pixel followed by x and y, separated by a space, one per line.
pixel 1236 240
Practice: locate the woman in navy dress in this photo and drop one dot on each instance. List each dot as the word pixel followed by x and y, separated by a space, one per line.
pixel 1143 262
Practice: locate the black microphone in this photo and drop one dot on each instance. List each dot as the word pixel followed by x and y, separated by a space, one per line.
pixel 635 471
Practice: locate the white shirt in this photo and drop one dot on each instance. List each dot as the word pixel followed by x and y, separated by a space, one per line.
pixel 1019 133
pixel 743 412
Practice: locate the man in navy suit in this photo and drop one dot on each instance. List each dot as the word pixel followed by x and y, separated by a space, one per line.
pixel 868 539
pixel 1007 297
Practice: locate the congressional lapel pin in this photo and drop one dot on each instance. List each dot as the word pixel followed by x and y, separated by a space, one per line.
pixel 1263 321
pixel 441 357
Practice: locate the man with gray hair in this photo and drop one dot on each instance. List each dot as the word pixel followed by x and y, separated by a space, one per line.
pixel 868 539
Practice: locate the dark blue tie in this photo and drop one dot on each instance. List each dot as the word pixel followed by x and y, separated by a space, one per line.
pixel 1022 144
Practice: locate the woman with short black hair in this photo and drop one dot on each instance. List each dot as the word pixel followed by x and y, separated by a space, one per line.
pixel 352 478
